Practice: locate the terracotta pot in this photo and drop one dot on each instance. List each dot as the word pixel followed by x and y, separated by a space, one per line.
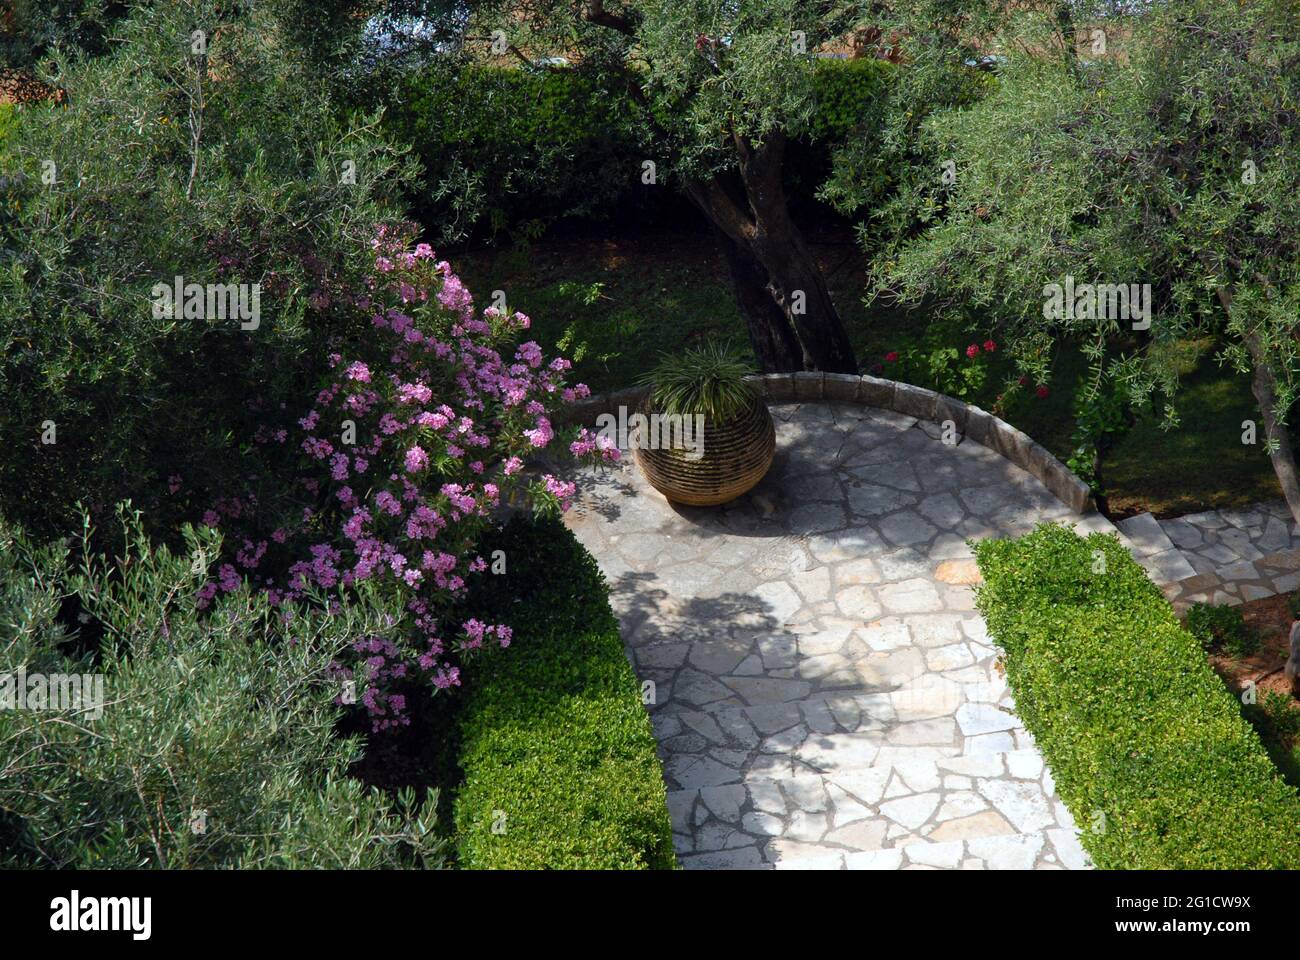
pixel 736 455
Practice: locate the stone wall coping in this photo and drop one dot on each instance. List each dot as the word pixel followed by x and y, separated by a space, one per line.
pixel 969 421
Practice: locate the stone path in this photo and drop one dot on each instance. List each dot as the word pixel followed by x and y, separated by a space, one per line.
pixel 825 693
pixel 1218 556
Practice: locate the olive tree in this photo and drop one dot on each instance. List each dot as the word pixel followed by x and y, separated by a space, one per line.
pixel 1159 145
pixel 198 146
pixel 720 89
pixel 137 730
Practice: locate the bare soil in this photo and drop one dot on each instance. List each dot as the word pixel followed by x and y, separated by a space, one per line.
pixel 1272 620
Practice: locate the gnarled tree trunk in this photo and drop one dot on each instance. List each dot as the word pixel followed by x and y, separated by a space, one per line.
pixel 764 249
pixel 762 237
pixel 1263 385
pixel 770 334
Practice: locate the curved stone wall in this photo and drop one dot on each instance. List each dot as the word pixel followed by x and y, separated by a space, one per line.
pixel 970 421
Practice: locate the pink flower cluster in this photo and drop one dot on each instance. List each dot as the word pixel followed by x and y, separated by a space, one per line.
pixel 408 451
pixel 591 445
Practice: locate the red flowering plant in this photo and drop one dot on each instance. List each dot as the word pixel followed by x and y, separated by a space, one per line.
pixel 408 452
pixel 934 360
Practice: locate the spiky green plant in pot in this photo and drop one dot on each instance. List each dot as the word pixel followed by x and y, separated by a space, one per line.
pixel 709 436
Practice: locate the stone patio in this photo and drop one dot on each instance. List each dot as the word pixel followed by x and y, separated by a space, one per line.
pixel 825 694
pixel 1219 556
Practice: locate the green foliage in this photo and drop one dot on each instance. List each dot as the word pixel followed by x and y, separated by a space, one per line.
pixel 508 150
pixel 1100 415
pixel 717 74
pixel 505 148
pixel 1148 749
pixel 1293 605
pixel 885 167
pixel 851 103
pixel 558 753
pixel 1176 471
pixel 646 298
pixel 1282 713
pixel 1170 161
pixel 1011 220
pixel 576 297
pixel 937 359
pixel 222 720
pixel 34 27
pixel 1277 718
pixel 848 97
pixel 1222 626
pixel 708 379
pixel 8 120
pixel 134 398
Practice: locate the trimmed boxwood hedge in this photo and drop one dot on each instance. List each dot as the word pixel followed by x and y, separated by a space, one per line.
pixel 557 749
pixel 1148 747
pixel 503 147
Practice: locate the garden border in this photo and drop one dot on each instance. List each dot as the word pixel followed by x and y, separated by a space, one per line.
pixel 1127 712
pixel 971 422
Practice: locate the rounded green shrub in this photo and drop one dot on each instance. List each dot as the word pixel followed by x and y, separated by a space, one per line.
pixel 209 738
pixel 1222 627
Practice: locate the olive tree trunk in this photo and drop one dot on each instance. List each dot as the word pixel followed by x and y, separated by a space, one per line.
pixel 767 252
pixel 1263 385
pixel 770 334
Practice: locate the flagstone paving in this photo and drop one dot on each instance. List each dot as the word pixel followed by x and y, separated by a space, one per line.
pixel 825 694
pixel 1218 556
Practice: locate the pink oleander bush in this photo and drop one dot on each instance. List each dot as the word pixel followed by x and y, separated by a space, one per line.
pixel 408 453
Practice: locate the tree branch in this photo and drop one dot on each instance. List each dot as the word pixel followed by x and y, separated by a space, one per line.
pixel 196 121
pixel 718 206
pixel 597 14
pixel 510 48
pixel 760 172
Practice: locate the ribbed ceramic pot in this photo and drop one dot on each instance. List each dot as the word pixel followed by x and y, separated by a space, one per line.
pixel 736 455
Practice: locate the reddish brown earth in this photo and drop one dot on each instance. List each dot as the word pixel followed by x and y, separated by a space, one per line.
pixel 1271 618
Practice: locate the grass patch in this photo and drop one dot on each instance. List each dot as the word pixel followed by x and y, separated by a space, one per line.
pixel 1200 464
pixel 614 304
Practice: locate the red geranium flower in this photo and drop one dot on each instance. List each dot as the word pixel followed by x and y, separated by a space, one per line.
pixel 973 350
pixel 891 356
pixel 1041 391
pixel 989 346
